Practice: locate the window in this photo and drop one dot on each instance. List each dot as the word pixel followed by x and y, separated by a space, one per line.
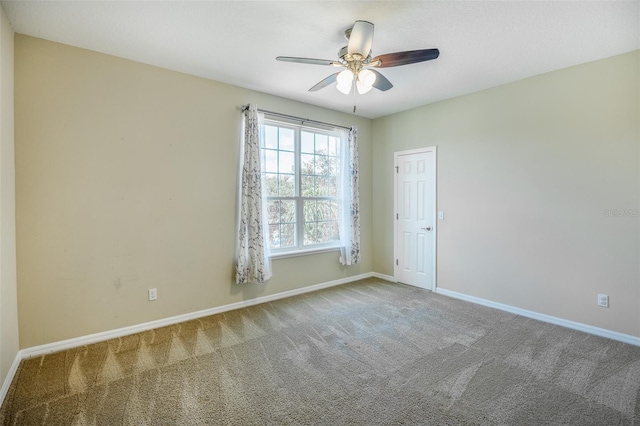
pixel 301 167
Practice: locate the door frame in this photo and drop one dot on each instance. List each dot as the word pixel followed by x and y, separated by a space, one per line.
pixel 433 259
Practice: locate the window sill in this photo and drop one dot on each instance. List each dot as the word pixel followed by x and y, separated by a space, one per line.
pixel 286 254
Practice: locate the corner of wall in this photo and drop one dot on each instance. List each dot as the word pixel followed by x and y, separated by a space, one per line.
pixel 9 341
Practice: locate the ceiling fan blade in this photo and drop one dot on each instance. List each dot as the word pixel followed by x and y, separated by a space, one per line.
pixel 361 38
pixel 324 83
pixel 404 58
pixel 307 60
pixel 381 82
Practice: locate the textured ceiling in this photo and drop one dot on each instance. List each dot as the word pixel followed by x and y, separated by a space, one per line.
pixel 482 44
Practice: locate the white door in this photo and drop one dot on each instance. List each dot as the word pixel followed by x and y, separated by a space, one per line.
pixel 415 207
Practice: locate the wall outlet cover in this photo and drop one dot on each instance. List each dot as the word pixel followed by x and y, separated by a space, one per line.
pixel 603 300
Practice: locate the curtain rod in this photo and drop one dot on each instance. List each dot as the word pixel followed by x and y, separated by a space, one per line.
pixel 293 117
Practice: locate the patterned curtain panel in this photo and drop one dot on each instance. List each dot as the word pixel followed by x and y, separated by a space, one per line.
pixel 350 220
pixel 253 262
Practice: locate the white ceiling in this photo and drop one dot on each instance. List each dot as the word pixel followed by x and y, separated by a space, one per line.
pixel 482 44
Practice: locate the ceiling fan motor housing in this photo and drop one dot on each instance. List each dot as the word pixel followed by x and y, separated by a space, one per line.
pixel 347 33
pixel 347 58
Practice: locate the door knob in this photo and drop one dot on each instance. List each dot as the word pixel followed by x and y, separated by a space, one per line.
pixel 428 228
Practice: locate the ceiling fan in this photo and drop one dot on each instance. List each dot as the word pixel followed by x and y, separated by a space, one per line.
pixel 356 58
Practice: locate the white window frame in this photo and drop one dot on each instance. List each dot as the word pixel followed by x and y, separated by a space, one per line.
pixel 300 248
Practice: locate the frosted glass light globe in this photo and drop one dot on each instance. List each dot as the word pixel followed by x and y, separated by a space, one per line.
pixel 344 81
pixel 365 81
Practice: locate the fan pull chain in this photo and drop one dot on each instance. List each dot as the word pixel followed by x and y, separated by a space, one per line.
pixel 354 96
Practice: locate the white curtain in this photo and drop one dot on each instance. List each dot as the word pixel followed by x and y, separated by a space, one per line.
pixel 350 215
pixel 253 262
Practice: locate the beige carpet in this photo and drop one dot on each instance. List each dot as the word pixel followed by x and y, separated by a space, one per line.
pixel 366 353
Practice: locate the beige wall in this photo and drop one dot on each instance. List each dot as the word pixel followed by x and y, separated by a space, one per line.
pixel 126 180
pixel 8 302
pixel 525 174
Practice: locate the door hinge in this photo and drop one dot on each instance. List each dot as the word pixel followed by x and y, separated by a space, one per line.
pixel 396 216
pixel 397 169
pixel 396 262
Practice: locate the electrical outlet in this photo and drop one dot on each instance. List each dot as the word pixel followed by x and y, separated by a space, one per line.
pixel 153 293
pixel 603 300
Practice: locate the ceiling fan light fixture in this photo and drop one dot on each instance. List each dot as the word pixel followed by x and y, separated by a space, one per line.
pixel 365 81
pixel 355 56
pixel 344 81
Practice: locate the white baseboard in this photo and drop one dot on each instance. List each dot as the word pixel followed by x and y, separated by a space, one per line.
pixel 125 331
pixel 10 375
pixel 384 277
pixel 614 335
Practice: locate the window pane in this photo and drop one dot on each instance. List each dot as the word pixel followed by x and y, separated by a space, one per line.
pixel 326 165
pixel 324 232
pixel 288 235
pixel 318 164
pixel 321 144
pixel 306 143
pixel 335 165
pixel 282 223
pixel 321 186
pixel 335 233
pixel 323 210
pixel 271 137
pixel 271 161
pixel 333 145
pixel 287 185
pixel 274 236
pixel 287 162
pixel 273 212
pixel 271 182
pixel 310 233
pixel 332 187
pixel 307 189
pixel 306 165
pixel 309 208
pixel 334 212
pixel 288 211
pixel 320 224
pixel 286 140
